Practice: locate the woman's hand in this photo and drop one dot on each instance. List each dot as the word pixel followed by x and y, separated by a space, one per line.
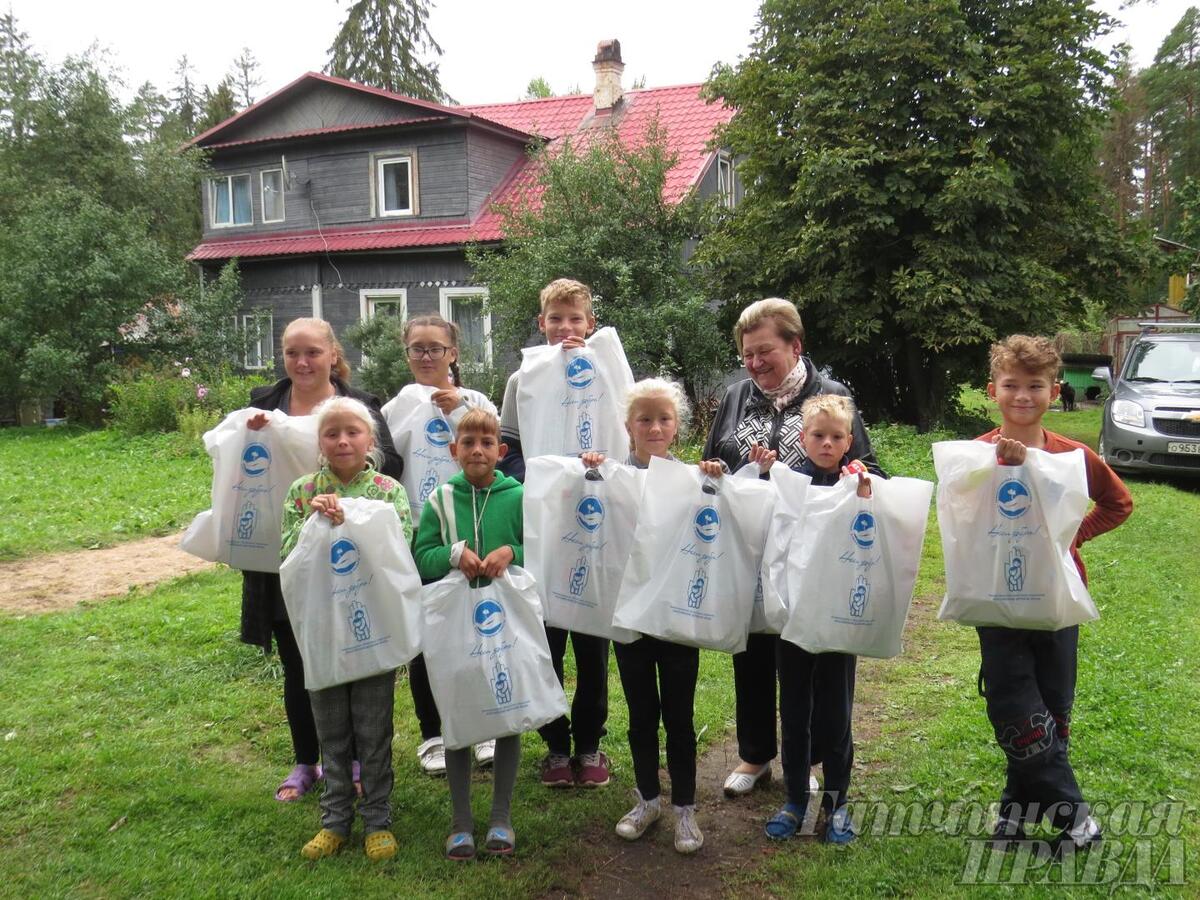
pixel 711 467
pixel 446 399
pixel 763 456
pixel 591 459
pixel 327 505
pixel 258 421
pixel 494 564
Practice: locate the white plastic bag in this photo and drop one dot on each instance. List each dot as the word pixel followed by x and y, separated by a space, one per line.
pixel 353 595
pixel 696 557
pixel 1007 533
pixel 853 565
pixel 572 401
pixel 488 659
pixel 578 535
pixel 770 612
pixel 252 471
pixel 422 435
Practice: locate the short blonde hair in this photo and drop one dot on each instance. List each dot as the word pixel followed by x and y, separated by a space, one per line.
pixel 833 405
pixel 348 406
pixel 782 312
pixel 481 420
pixel 1025 353
pixel 567 290
pixel 341 368
pixel 660 389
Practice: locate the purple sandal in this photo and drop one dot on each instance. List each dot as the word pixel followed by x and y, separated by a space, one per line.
pixel 300 779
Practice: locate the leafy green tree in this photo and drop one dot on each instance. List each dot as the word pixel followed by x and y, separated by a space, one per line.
pixel 538 89
pixel 219 104
pixel 185 98
pixel 384 43
pixel 600 217
pixel 245 77
pixel 921 180
pixel 1172 86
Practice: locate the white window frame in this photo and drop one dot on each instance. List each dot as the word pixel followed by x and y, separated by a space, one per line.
pixel 262 194
pixel 263 349
pixel 368 298
pixel 445 298
pixel 380 192
pixel 212 200
pixel 726 180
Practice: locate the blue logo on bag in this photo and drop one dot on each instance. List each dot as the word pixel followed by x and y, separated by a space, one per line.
pixel 437 432
pixel 583 430
pixel 579 576
pixel 489 617
pixel 428 483
pixel 360 622
pixel 589 513
pixel 256 459
pixel 246 519
pixel 580 372
pixel 501 684
pixel 1014 574
pixel 1013 499
pixel 858 597
pixel 343 556
pixel 707 524
pixel 698 587
pixel 862 529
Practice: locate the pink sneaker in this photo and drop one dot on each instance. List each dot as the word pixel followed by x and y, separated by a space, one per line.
pixel 591 770
pixel 556 771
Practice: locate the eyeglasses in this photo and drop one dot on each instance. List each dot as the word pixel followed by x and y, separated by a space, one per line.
pixel 437 351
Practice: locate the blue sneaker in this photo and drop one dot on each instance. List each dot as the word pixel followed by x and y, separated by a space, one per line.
pixel 839 829
pixel 783 825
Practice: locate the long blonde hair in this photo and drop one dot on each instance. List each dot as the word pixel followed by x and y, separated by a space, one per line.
pixel 341 368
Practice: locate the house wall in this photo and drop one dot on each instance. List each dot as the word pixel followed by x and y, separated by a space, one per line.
pixel 489 159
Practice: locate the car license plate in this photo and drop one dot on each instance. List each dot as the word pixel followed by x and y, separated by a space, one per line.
pixel 1182 447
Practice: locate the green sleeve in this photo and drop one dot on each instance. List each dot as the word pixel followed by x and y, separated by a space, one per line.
pixel 518 554
pixel 430 554
pixel 295 511
pixel 403 510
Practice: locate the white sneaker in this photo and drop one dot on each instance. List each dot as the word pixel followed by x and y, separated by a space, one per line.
pixel 740 783
pixel 688 837
pixel 635 822
pixel 432 756
pixel 485 752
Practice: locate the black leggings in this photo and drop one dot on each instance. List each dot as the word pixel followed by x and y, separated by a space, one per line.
pixel 423 703
pixel 295 697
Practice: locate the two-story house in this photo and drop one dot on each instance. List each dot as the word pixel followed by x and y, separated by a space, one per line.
pixel 344 201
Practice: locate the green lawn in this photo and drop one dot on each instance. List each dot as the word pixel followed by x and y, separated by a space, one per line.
pixel 140 744
pixel 66 489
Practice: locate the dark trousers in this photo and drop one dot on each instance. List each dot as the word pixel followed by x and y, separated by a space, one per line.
pixel 754 690
pixel 589 706
pixel 296 702
pixel 816 699
pixel 659 680
pixel 1028 680
pixel 427 712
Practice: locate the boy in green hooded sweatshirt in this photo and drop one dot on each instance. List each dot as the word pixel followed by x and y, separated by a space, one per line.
pixel 473 523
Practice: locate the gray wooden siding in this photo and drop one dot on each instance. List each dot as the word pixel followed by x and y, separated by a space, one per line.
pixel 320 105
pixel 333 178
pixel 489 159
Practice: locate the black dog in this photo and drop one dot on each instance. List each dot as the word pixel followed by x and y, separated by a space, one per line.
pixel 1067 395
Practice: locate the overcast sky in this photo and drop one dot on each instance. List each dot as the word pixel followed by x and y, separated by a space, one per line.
pixel 492 47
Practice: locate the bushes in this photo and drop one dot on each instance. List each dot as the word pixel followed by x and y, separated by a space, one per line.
pixel 177 399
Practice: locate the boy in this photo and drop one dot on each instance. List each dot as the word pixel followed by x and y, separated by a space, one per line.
pixel 1028 677
pixel 473 523
pixel 816 690
pixel 566 319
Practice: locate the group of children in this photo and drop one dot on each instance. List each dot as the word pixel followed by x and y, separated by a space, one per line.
pixel 473 522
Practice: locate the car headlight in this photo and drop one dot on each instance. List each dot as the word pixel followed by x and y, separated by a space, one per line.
pixel 1126 412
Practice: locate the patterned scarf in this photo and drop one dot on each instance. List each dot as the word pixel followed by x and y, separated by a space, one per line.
pixel 789 388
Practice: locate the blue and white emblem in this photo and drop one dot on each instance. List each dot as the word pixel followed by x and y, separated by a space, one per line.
pixel 707 524
pixel 246 519
pixel 360 622
pixel 437 432
pixel 488 617
pixel 580 372
pixel 862 529
pixel 859 594
pixel 1013 499
pixel 256 459
pixel 589 514
pixel 343 556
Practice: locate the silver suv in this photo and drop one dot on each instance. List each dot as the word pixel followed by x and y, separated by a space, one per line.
pixel 1151 419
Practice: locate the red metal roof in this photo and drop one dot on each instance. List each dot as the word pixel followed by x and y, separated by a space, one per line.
pixel 686 121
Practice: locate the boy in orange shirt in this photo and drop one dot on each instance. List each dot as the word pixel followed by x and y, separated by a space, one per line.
pixel 1028 677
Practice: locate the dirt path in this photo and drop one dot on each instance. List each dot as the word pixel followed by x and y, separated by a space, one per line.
pixel 60 581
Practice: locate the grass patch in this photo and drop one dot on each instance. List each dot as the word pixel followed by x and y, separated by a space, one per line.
pixel 71 488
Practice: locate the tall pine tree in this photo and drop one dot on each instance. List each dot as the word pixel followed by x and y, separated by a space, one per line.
pixel 384 43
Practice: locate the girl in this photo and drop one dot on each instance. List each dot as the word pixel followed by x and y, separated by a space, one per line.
pixel 658 677
pixel 316 370
pixel 431 344
pixel 353 717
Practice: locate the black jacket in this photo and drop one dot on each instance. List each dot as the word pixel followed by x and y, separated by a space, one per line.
pixel 262 600
pixel 746 415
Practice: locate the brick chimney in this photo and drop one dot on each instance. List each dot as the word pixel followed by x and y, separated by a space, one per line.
pixel 608 68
